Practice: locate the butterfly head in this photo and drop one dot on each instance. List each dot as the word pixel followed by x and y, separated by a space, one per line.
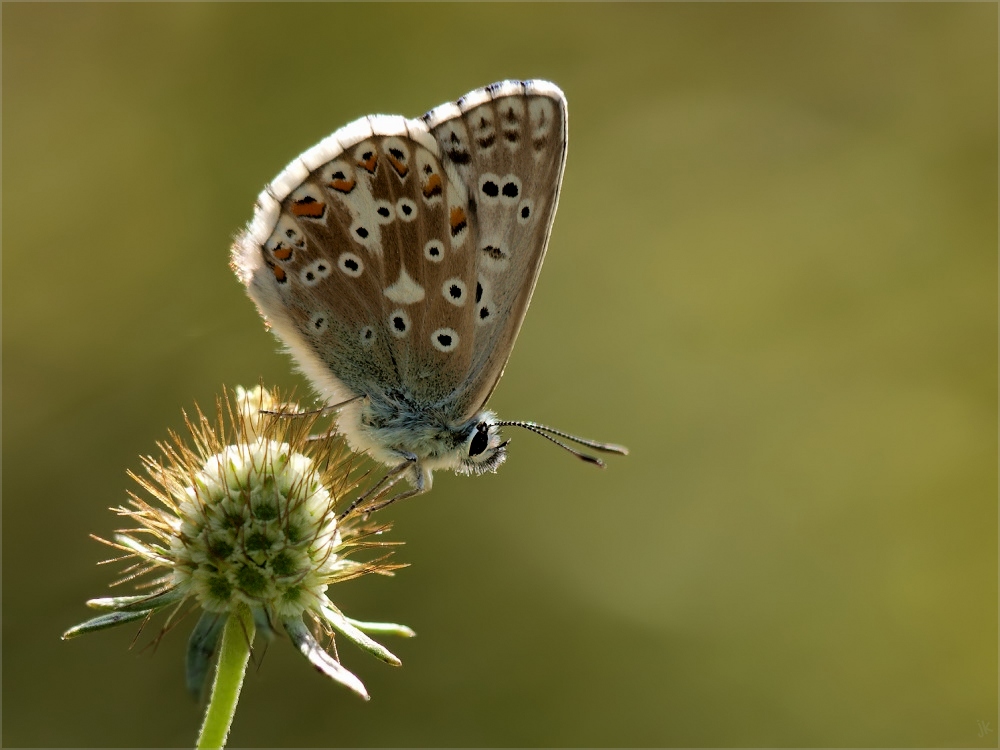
pixel 483 449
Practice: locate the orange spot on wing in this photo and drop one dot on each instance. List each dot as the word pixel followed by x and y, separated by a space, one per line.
pixel 309 208
pixel 282 252
pixel 343 186
pixel 401 169
pixel 458 220
pixel 433 186
pixel 279 274
pixel 370 162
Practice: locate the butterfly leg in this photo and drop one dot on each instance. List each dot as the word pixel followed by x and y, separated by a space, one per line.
pixel 420 487
pixel 322 436
pixel 391 477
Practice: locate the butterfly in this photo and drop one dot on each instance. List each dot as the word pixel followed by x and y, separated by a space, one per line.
pixel 396 258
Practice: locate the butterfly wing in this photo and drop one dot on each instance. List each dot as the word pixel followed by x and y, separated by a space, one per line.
pixel 389 266
pixel 355 261
pixel 506 143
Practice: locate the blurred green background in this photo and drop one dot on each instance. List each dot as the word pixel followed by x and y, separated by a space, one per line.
pixel 773 275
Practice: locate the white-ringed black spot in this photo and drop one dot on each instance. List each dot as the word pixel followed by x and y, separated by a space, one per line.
pixel 479 292
pixel 315 272
pixel 434 251
pixel 406 209
pixel 511 190
pixel 444 339
pixel 525 209
pixel 454 291
pixel 385 212
pixel 350 264
pixel 484 313
pixel 489 185
pixel 399 323
pixel 318 322
pixel 362 233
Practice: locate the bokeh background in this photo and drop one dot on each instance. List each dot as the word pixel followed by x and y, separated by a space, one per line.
pixel 773 275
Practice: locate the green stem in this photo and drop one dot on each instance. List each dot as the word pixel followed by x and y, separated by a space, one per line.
pixel 233 657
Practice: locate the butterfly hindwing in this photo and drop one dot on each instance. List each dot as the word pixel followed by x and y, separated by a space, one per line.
pixel 360 276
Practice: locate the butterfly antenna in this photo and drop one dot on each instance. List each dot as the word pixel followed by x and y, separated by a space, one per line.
pixel 542 429
pixel 531 427
pixel 313 412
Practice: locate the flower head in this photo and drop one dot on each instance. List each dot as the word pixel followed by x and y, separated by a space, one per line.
pixel 247 518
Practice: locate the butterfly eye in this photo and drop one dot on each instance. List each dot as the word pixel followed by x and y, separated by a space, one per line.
pixel 480 441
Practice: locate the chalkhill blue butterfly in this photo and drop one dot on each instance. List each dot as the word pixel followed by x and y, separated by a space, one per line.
pixel 396 258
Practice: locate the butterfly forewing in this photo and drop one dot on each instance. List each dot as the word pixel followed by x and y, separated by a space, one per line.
pixel 399 256
pixel 507 144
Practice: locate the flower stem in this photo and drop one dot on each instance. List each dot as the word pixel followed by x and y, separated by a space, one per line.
pixel 233 657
